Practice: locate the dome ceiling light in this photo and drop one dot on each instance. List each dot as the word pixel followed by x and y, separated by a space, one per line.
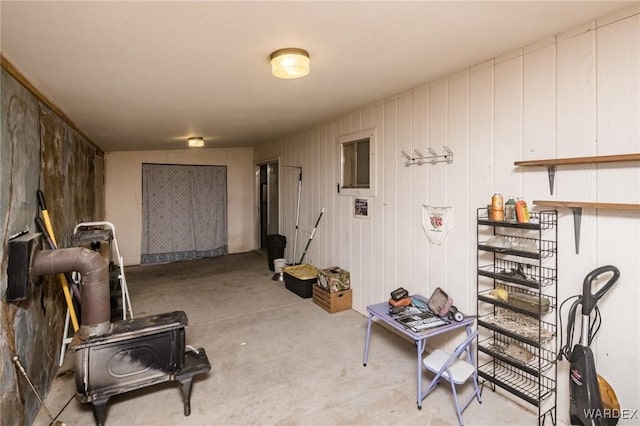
pixel 196 142
pixel 290 63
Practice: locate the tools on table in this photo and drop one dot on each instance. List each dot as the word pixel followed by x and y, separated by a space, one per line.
pixel 399 300
pixel 439 304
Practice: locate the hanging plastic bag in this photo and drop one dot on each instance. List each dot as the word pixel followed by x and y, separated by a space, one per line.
pixel 437 222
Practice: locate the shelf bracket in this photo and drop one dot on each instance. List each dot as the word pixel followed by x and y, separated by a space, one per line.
pixel 551 171
pixel 577 220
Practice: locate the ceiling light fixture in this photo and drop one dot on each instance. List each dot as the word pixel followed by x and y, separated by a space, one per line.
pixel 196 142
pixel 290 63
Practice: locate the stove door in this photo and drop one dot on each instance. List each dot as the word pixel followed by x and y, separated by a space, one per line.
pixel 120 365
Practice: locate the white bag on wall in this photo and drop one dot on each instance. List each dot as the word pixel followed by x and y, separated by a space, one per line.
pixel 437 222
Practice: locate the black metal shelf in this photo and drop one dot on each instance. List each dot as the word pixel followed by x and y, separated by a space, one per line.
pixel 497 302
pixel 538 220
pixel 547 248
pixel 530 388
pixel 502 250
pixel 516 346
pixel 535 276
pixel 541 362
pixel 486 297
pixel 550 328
pixel 531 226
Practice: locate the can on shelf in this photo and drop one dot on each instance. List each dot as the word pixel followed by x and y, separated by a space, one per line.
pixel 497 207
pixel 510 210
pixel 522 212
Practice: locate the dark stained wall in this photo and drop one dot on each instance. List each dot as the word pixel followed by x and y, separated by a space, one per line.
pixel 38 150
pixel 67 167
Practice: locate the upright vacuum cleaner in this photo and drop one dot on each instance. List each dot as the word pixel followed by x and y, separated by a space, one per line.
pixel 592 400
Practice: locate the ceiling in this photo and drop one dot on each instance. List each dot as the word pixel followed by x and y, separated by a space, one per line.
pixel 146 75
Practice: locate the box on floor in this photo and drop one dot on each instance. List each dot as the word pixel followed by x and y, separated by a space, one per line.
pixel 299 279
pixel 334 279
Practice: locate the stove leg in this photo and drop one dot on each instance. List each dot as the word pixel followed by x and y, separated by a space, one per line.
pixel 185 387
pixel 100 411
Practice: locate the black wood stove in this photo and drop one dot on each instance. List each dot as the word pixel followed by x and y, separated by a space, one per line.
pixel 120 356
pixel 135 354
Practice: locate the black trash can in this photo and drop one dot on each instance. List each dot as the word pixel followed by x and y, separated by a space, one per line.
pixel 275 248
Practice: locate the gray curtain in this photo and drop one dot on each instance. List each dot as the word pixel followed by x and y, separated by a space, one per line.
pixel 184 212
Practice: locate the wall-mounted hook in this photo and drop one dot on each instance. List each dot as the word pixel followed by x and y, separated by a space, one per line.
pixel 408 162
pixel 449 155
pixel 433 157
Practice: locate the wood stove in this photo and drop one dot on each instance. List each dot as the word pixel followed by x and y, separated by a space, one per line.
pixel 135 354
pixel 111 357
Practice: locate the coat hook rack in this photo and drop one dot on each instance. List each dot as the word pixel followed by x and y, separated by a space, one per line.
pixel 432 158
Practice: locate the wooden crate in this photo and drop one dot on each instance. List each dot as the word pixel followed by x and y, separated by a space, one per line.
pixel 331 302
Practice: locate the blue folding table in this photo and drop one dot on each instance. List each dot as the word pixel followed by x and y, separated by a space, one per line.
pixel 381 312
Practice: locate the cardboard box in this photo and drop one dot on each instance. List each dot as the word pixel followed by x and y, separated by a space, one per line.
pixel 300 278
pixel 334 279
pixel 332 302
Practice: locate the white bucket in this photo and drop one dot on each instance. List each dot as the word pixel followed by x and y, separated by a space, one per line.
pixel 278 264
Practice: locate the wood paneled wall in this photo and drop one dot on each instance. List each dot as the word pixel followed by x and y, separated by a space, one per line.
pixel 576 94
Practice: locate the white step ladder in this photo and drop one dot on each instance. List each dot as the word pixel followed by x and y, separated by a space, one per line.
pixel 127 311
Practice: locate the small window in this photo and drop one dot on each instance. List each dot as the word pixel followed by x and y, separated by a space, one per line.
pixel 357 164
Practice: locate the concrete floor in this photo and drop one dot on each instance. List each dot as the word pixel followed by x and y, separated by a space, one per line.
pixel 276 359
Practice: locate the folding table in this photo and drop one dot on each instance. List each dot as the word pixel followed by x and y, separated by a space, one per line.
pixel 381 312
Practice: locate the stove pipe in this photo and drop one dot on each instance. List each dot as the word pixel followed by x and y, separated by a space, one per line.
pixel 95 319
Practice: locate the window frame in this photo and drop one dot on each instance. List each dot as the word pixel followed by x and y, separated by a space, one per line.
pixel 351 138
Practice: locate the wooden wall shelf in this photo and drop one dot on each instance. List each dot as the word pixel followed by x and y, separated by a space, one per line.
pixel 581 160
pixel 588 205
pixel 553 162
pixel 577 207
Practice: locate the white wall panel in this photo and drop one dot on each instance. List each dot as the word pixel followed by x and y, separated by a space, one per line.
pixel 406 234
pixel 576 94
pixel 539 118
pixel 343 213
pixel 363 274
pixel 419 195
pixel 437 194
pixel 320 156
pixel 618 111
pixel 437 182
pixel 333 170
pixel 481 185
pixel 389 195
pixel 576 125
pixel 461 239
pixel 507 145
pixel 377 290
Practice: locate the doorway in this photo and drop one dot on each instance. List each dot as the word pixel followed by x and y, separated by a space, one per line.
pixel 268 184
